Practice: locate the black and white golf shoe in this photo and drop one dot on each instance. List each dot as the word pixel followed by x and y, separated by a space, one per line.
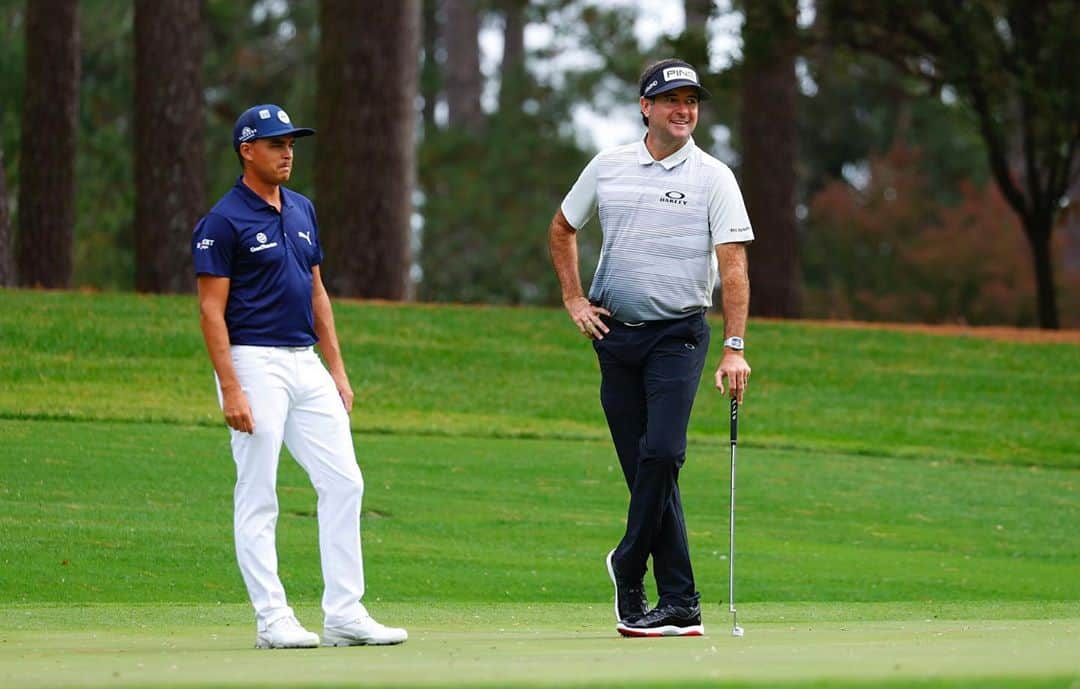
pixel 666 620
pixel 630 601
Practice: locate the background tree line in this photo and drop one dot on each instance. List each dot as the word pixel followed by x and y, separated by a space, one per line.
pixel 912 165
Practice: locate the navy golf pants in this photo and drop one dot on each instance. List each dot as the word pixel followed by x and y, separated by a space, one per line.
pixel 649 377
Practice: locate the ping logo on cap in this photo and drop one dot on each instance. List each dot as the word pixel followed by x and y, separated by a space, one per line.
pixel 264 114
pixel 673 73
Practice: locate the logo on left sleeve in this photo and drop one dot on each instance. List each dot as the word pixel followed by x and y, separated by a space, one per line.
pixel 204 244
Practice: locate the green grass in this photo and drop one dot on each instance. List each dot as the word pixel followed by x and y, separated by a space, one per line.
pixel 907 508
pixel 504 372
pixel 142 512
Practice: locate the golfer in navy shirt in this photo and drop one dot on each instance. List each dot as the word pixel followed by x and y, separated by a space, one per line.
pixel 262 307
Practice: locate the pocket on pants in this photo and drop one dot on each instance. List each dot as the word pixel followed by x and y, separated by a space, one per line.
pixel 253 366
pixel 249 358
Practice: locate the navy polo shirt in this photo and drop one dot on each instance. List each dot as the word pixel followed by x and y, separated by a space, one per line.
pixel 268 257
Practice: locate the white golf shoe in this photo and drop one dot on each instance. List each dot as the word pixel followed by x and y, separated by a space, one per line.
pixel 363 632
pixel 286 632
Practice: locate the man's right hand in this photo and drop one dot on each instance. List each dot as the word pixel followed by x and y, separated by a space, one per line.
pixel 587 317
pixel 234 404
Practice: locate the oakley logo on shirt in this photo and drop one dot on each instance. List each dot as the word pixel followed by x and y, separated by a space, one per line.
pixel 676 197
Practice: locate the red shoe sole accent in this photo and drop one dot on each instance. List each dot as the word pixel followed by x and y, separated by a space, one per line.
pixel 631 632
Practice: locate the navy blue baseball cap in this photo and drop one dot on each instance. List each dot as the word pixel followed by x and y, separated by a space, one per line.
pixel 263 122
pixel 670 76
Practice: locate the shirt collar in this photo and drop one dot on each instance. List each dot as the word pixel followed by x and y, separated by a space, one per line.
pixel 672 161
pixel 254 201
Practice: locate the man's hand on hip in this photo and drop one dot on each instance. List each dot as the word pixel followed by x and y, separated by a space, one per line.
pixel 587 317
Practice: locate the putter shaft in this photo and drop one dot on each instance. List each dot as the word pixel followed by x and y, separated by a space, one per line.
pixel 731 516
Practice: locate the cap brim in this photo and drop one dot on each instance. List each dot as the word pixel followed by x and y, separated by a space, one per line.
pixel 679 83
pixel 298 132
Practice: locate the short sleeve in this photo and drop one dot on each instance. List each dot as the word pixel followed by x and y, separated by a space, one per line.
pixel 212 246
pixel 728 220
pixel 580 203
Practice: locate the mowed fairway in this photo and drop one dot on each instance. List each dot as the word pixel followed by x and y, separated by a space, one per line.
pixel 548 644
pixel 908 508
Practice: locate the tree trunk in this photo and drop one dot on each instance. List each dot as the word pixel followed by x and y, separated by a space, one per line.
pixel 430 76
pixel 170 157
pixel 364 151
pixel 49 131
pixel 1038 231
pixel 7 265
pixel 769 155
pixel 694 46
pixel 464 83
pixel 513 77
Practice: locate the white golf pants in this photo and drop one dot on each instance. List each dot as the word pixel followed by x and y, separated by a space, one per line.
pixel 294 399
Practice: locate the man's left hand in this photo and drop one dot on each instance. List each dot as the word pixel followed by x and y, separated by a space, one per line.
pixel 341 382
pixel 733 367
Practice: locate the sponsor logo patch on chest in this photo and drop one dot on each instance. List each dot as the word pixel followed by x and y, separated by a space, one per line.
pixel 675 197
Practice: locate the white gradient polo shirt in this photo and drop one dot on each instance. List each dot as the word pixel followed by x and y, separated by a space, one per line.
pixel 661 221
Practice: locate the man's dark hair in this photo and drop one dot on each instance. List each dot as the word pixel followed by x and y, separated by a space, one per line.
pixel 649 71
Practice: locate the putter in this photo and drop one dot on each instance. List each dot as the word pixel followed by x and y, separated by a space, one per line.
pixel 736 630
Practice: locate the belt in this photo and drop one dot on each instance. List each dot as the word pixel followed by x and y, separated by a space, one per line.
pixel 642 324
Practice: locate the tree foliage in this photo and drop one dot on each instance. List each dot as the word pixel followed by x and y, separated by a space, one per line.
pixel 12 62
pixel 490 189
pixel 888 251
pixel 105 210
pixel 487 203
pixel 7 263
pixel 854 109
pixel 259 52
pixel 1015 64
pixel 485 195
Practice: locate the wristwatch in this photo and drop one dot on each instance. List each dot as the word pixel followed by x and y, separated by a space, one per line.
pixel 734 343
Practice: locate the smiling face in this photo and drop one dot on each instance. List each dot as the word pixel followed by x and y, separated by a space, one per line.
pixel 269 160
pixel 672 115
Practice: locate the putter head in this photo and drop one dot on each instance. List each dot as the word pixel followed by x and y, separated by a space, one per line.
pixel 736 631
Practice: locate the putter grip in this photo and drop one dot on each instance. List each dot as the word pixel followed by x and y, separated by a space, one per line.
pixel 734 420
